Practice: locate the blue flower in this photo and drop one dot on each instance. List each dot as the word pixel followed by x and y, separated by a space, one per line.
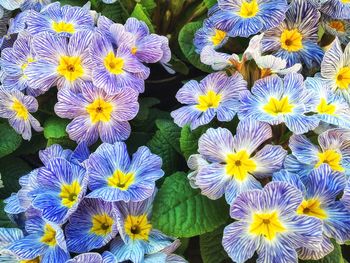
pixel 338 9
pixel 36 5
pixel 7 237
pixel 114 177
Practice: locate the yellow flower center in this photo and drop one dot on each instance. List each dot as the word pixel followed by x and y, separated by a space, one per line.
pixel 69 193
pixel 275 106
pixel 337 25
pixel 70 68
pixel 324 108
pixel 25 65
pixel 239 165
pixel 62 26
pixel 133 50
pixel 342 78
pixel 291 40
pixel 312 207
pixel 137 227
pixel 209 100
pixel 332 158
pixel 267 225
pixel 49 237
pixel 99 110
pixel 249 9
pixel 121 180
pixel 35 260
pixel 345 1
pixel 218 37
pixel 20 109
pixel 114 64
pixel 101 224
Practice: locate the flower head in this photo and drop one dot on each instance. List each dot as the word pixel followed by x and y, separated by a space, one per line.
pixel 337 27
pixel 338 9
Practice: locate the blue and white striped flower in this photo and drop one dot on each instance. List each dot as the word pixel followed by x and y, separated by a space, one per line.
pixel 268 224
pixel 216 95
pixel 217 60
pixel 295 39
pixel 234 162
pixel 346 195
pixel 338 9
pixel 113 176
pixel 36 5
pixel 91 257
pixel 319 200
pixel 7 237
pixel 275 101
pixel 248 17
pixel 16 107
pixel 337 27
pixel 9 5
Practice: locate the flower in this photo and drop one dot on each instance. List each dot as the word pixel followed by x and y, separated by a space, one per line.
pixel 9 5
pixel 215 95
pixel 333 150
pixel 65 21
pixel 96 113
pixel 59 62
pixel 295 39
pixel 61 187
pixel 114 177
pixel 92 226
pixel 319 200
pixel 233 161
pixel 277 101
pixel 44 240
pixel 16 107
pixel 91 257
pixel 209 35
pixel 335 69
pixel 267 223
pixel 337 27
pixel 8 236
pixel 338 9
pixel 246 18
pixel 36 5
pixel 217 60
pixel 137 236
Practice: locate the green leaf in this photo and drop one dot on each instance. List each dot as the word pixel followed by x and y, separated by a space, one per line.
pixel 181 211
pixel 55 128
pixel 73 2
pixel 115 12
pixel 177 65
pixel 210 3
pixel 140 13
pixel 36 143
pixel 211 247
pixel 145 105
pixel 189 139
pixel 4 219
pixel 171 132
pixel 9 140
pixel 186 37
pixel 334 257
pixel 137 139
pixel 149 5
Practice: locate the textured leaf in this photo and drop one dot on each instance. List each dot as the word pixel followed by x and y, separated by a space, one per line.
pixel 55 128
pixel 334 257
pixel 73 2
pixel 186 36
pixel 171 132
pixel 114 12
pixel 145 105
pixel 140 13
pixel 189 140
pixel 4 220
pixel 9 140
pixel 148 4
pixel 181 211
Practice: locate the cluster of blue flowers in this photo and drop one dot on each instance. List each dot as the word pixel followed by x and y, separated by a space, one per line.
pixel 285 171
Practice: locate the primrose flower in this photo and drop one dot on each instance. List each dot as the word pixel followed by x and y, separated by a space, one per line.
pixel 7 237
pixel 338 9
pixel 337 27
pixel 36 5
pixel 96 113
pixel 248 17
pixel 91 257
pixel 333 150
pixel 295 39
pixel 54 19
pixel 215 95
pixel 217 60
pixel 92 226
pixel 233 163
pixel 59 62
pixel 277 101
pixel 16 107
pixel 61 186
pixel 45 240
pixel 267 223
pixel 114 177
pixel 335 69
pixel 137 237
pixel 319 200
pixel 209 35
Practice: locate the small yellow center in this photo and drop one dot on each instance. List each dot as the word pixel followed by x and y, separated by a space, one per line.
pixel 133 50
pixel 121 180
pixel 249 9
pixel 99 110
pixel 291 40
pixel 337 25
pixel 49 237
pixel 324 108
pixel 332 158
pixel 345 1
pixel 209 100
pixel 101 224
pixel 114 64
pixel 218 37
pixel 267 225
pixel 312 207
pixel 137 227
pixel 20 109
pixel 69 193
pixel 342 78
pixel 70 68
pixel 62 26
pixel 25 65
pixel 35 260
pixel 239 165
pixel 276 106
